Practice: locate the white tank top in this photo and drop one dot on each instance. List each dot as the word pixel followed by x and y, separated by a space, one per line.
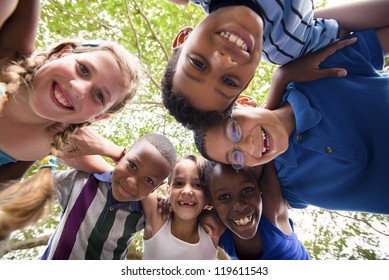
pixel 164 246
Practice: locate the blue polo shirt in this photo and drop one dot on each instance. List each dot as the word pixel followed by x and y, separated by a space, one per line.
pixel 276 245
pixel 338 157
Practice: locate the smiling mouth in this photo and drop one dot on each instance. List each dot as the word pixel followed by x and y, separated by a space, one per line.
pixel 59 96
pixel 184 203
pixel 266 142
pixel 244 221
pixel 235 39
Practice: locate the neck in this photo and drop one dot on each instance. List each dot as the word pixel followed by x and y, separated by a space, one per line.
pixel 286 115
pixel 185 230
pixel 248 249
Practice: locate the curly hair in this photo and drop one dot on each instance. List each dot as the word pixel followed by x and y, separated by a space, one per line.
pixel 179 107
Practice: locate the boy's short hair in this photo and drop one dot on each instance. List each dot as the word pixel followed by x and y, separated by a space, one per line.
pixel 179 106
pixel 162 144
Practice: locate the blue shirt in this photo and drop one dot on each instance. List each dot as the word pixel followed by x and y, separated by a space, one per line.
pixel 276 245
pixel 338 157
pixel 4 158
pixel 290 30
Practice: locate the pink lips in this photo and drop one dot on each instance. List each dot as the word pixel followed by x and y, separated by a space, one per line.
pixel 243 34
pixel 60 98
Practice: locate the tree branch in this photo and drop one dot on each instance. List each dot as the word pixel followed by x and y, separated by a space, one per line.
pixel 7 246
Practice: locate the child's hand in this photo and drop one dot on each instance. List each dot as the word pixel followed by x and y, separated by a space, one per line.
pixel 212 225
pixel 163 207
pixel 306 68
pixel 87 141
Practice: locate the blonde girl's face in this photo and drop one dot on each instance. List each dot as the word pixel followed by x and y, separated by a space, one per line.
pixel 186 194
pixel 77 87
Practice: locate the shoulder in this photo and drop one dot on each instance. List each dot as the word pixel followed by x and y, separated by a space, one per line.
pixel 71 177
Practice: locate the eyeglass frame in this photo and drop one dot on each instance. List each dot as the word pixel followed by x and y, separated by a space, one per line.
pixel 231 125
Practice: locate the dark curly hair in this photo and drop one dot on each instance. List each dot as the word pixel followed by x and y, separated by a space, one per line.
pixel 179 106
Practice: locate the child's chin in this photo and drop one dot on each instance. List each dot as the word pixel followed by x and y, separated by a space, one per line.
pixel 245 232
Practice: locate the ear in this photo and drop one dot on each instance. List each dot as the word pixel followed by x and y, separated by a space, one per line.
pixel 208 207
pixel 99 117
pixel 65 50
pixel 181 36
pixel 245 100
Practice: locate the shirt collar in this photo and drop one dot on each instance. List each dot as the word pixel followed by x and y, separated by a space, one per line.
pixel 306 118
pixel 106 177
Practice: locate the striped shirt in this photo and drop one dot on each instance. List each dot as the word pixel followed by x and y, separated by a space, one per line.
pixel 290 30
pixel 93 224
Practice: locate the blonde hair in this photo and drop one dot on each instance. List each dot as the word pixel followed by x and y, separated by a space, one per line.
pixel 25 202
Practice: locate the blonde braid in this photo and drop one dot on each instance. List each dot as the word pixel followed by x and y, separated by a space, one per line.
pixel 26 202
pixel 61 139
pixel 19 73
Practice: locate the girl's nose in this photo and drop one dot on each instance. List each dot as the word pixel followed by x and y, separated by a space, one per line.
pixel 80 88
pixel 187 189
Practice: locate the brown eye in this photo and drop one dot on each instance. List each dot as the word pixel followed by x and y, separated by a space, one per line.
pixel 197 63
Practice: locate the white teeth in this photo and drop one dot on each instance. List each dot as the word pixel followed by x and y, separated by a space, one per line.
pixel 58 95
pixel 186 203
pixel 235 39
pixel 243 221
pixel 265 142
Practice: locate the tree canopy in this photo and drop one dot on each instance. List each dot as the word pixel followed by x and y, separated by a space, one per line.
pixel 147 28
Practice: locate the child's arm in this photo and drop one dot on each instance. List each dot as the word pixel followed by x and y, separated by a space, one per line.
pixel 87 141
pixel 18 30
pixel 86 148
pixel 304 69
pixel 212 225
pixel 153 218
pixel 357 15
pixel 275 208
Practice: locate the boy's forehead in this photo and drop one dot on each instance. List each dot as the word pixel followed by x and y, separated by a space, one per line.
pixel 227 173
pixel 146 151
